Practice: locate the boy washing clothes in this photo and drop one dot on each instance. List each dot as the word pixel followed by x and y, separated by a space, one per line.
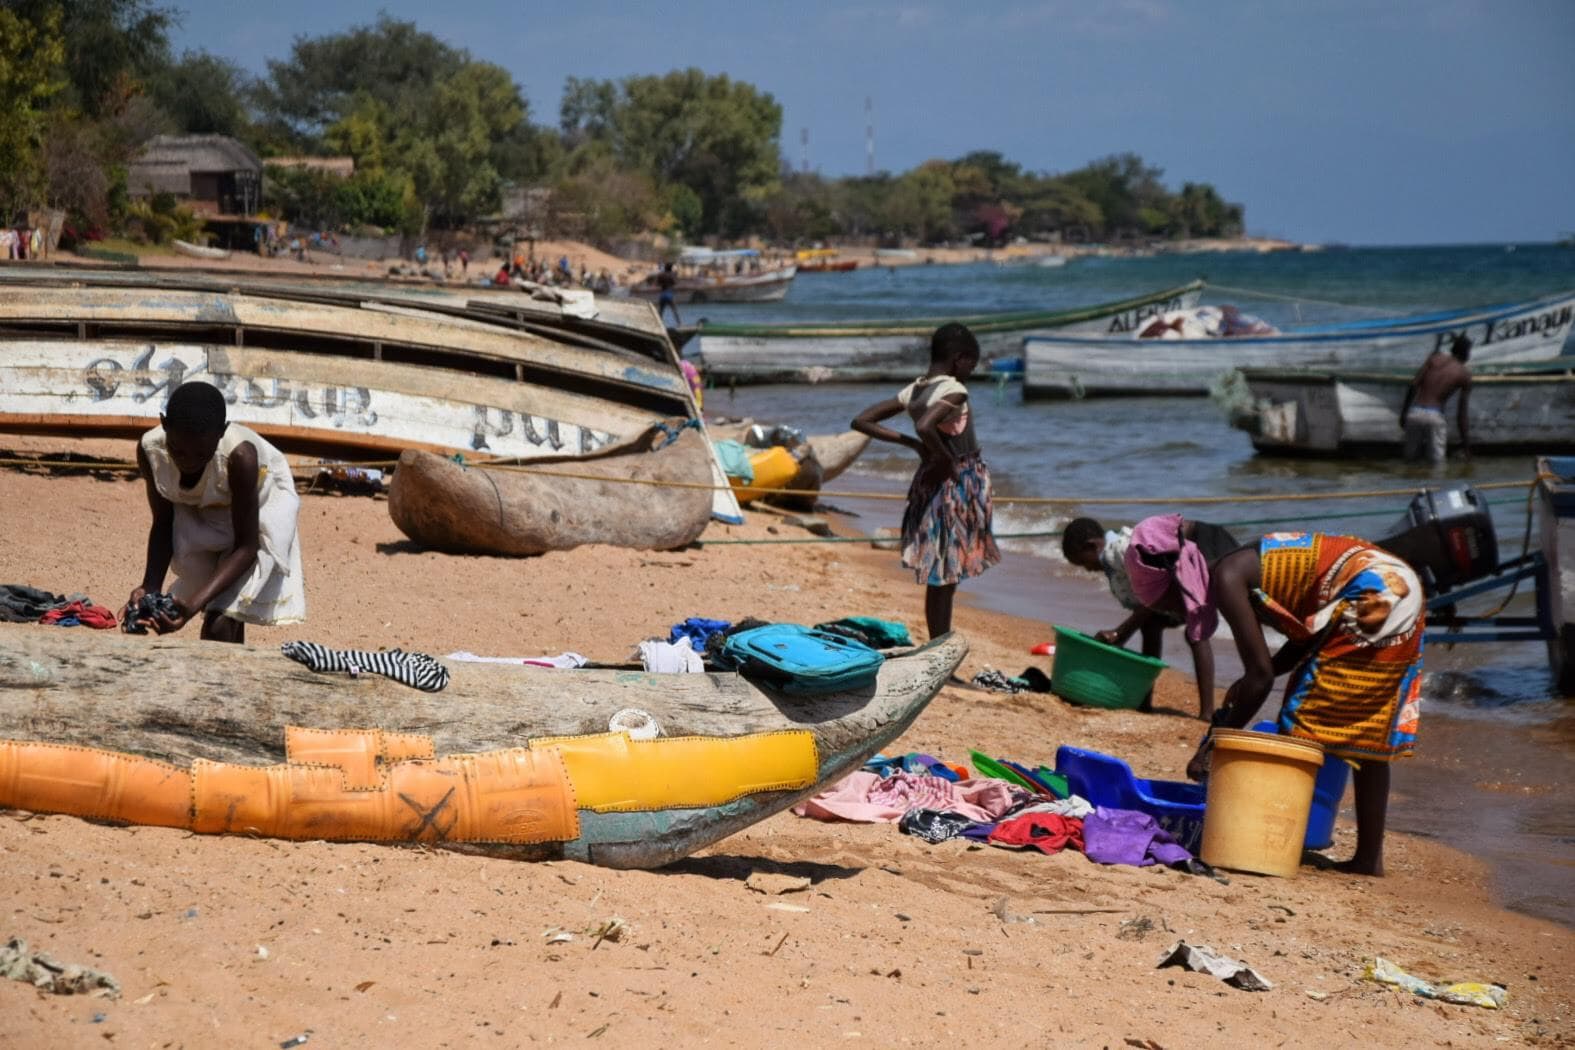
pixel 224 519
pixel 1087 544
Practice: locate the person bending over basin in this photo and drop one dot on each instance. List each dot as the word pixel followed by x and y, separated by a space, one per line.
pixel 1353 616
pixel 1086 544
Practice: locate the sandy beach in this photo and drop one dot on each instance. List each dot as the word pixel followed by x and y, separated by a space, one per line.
pixel 629 271
pixel 239 942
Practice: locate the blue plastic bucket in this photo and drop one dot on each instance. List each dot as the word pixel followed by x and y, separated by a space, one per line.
pixel 1328 790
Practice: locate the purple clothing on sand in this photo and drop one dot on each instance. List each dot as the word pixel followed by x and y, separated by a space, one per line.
pixel 1125 836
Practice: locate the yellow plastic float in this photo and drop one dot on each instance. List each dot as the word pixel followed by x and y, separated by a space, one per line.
pixel 774 468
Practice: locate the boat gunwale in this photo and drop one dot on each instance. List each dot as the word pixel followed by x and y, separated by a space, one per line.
pixel 1052 342
pixel 979 323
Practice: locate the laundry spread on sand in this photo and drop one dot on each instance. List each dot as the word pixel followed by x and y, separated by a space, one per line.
pixel 20 603
pixel 1005 803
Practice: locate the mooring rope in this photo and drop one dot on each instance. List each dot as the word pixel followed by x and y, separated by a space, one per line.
pixel 1030 501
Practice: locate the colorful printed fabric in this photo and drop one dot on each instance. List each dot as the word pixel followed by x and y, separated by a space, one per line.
pixel 946 535
pixel 1359 692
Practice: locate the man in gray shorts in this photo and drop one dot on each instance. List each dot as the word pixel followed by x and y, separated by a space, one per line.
pixel 1422 411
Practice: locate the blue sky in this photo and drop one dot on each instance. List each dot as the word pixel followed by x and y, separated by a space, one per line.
pixel 1382 122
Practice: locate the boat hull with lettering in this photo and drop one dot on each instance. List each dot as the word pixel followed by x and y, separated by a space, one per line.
pixel 1086 366
pixel 1512 408
pixel 513 762
pixel 897 351
pixel 344 370
pixel 651 493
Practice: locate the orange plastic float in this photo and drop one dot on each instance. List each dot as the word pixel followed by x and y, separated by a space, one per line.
pixel 368 785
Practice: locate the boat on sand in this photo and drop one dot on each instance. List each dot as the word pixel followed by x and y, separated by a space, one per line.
pixel 200 251
pixel 350 369
pixel 622 496
pixel 504 761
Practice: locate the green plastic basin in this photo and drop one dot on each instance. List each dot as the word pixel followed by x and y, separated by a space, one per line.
pixel 1090 672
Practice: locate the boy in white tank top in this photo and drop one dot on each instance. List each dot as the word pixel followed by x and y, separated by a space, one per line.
pixel 224 519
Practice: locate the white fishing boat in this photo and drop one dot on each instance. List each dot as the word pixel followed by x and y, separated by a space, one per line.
pixel 891 351
pixel 1072 365
pixel 342 369
pixel 1512 408
pixel 732 276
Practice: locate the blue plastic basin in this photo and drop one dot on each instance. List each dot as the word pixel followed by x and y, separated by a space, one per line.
pixel 1108 781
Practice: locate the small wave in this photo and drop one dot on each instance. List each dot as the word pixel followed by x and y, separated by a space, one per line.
pixel 1524 693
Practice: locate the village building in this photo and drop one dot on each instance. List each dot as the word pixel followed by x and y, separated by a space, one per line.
pixel 214 175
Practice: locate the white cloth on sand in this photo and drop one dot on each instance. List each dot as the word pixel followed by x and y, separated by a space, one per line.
pixel 670 657
pixel 563 661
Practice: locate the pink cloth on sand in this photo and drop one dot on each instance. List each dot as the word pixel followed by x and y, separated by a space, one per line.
pixel 868 798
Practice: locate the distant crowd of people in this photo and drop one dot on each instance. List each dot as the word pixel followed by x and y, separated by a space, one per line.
pixel 563 274
pixel 18 243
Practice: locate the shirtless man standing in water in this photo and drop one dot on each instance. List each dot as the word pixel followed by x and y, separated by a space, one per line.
pixel 1422 411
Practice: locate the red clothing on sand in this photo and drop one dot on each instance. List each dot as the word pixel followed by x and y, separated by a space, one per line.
pixel 1046 832
pixel 87 614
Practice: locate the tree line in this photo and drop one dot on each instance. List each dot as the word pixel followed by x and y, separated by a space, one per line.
pixel 438 138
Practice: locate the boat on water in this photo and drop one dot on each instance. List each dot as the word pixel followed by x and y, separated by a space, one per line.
pixel 340 368
pixel 732 276
pixel 1350 412
pixel 623 495
pixel 1046 261
pixel 1075 365
pixel 823 260
pixel 897 350
pixel 513 762
pixel 199 251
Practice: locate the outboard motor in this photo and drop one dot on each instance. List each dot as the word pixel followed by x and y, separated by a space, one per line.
pixel 1447 537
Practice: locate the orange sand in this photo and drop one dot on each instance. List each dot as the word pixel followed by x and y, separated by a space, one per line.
pixel 893 943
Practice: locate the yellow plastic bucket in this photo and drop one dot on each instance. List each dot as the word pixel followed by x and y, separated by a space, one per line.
pixel 1260 788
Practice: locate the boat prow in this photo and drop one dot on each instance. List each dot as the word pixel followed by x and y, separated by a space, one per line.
pixel 504 761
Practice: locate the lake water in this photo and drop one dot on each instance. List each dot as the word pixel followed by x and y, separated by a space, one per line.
pixel 1502 794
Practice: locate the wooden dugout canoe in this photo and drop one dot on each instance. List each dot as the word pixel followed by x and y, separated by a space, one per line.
pixel 197 741
pixel 493 510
